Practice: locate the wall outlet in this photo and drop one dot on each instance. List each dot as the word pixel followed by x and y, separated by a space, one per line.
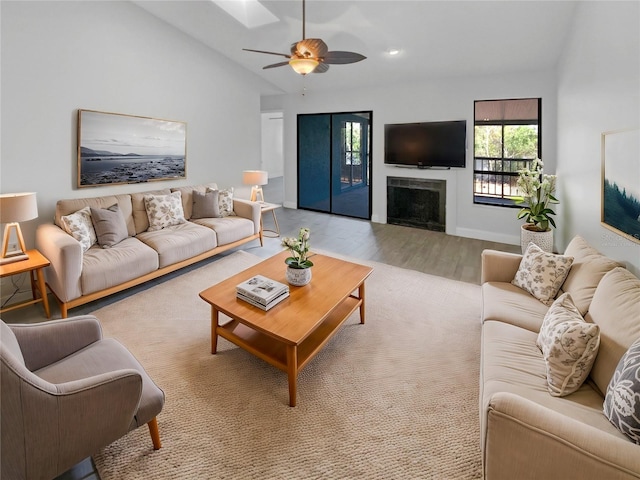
pixel 13 247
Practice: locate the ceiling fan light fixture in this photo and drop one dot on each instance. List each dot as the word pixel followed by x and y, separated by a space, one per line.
pixel 303 65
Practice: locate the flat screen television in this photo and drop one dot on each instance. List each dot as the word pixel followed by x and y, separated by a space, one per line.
pixel 427 144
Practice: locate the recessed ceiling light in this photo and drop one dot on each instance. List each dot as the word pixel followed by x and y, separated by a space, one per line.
pixel 250 13
pixel 393 51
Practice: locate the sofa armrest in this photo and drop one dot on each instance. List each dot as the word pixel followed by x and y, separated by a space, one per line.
pixel 499 266
pixel 65 254
pixel 47 342
pixel 247 209
pixel 525 440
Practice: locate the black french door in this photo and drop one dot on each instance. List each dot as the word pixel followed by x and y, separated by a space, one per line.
pixel 334 167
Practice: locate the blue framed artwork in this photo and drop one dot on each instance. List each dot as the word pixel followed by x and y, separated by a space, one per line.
pixel 621 183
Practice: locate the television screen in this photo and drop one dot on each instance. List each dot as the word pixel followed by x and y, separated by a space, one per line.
pixel 428 144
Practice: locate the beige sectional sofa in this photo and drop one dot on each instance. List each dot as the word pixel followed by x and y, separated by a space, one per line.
pixel 77 277
pixel 527 433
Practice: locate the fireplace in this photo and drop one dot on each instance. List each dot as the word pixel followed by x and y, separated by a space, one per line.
pixel 416 202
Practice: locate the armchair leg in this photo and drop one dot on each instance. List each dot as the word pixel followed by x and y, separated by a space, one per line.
pixel 155 433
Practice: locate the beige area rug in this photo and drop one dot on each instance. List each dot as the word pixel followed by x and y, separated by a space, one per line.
pixel 396 398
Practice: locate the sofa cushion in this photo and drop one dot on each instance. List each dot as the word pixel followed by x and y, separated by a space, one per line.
pixel 616 309
pixel 510 304
pixel 139 212
pixel 105 267
pixel 164 210
pixel 587 269
pixel 511 362
pixel 205 205
pixel 179 242
pixel 569 346
pixel 80 227
pixel 541 273
pixel 228 229
pixel 109 225
pixel 622 402
pixel 106 355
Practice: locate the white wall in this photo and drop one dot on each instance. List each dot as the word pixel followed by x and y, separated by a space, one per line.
pixel 112 56
pixel 598 91
pixel 446 99
pixel 272 155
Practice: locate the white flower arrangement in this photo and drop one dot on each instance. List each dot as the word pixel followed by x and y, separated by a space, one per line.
pixel 299 248
pixel 537 191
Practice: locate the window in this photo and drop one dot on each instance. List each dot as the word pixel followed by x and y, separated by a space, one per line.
pixel 506 139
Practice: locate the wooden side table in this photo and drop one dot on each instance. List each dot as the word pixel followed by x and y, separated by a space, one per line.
pixel 33 265
pixel 270 207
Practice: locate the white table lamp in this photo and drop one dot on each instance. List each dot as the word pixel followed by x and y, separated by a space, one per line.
pixel 15 208
pixel 256 178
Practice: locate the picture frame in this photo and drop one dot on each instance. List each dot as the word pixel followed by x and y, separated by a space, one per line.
pixel 115 148
pixel 620 210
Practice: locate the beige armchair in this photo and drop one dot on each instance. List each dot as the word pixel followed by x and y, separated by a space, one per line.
pixel 66 392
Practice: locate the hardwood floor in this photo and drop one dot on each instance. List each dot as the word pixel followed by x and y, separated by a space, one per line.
pixel 434 253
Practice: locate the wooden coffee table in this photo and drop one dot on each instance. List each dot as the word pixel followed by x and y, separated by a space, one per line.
pixel 290 334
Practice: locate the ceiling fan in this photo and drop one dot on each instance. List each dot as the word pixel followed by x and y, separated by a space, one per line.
pixel 311 55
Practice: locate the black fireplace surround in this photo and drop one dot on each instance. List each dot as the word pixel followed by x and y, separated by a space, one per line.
pixel 416 202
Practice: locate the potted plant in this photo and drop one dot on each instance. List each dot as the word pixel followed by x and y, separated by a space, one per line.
pixel 298 264
pixel 537 191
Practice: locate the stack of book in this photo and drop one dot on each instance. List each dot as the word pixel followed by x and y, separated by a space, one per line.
pixel 262 292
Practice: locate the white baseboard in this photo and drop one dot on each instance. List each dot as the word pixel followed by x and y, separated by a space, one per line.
pixel 293 205
pixel 488 236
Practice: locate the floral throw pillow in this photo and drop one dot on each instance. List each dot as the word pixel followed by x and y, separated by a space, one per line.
pixel 541 273
pixel 80 227
pixel 164 210
pixel 622 401
pixel 569 346
pixel 225 202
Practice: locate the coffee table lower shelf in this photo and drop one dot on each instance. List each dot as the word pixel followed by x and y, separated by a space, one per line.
pixel 288 357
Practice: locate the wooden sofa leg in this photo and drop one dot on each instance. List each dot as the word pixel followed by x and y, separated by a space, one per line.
pixel 155 433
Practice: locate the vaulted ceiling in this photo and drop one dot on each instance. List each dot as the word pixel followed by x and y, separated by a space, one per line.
pixel 435 39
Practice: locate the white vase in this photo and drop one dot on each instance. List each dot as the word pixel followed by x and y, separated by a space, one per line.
pixel 298 276
pixel 542 239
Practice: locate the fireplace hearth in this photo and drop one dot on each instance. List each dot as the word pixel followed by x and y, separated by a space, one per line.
pixel 416 202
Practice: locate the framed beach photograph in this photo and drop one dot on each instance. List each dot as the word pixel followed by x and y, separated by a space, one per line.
pixel 621 183
pixel 116 149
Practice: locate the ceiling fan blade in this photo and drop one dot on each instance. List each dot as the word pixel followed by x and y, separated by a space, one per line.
pixel 321 68
pixel 268 53
pixel 341 58
pixel 274 65
pixel 312 47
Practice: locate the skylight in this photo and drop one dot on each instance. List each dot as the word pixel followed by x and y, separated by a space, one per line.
pixel 250 13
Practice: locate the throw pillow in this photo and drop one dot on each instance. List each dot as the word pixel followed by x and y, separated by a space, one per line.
pixel 225 202
pixel 622 401
pixel 109 224
pixel 569 346
pixel 205 205
pixel 79 226
pixel 164 210
pixel 541 273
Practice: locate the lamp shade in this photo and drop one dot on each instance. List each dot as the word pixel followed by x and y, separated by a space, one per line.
pixel 303 65
pixel 255 177
pixel 18 207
